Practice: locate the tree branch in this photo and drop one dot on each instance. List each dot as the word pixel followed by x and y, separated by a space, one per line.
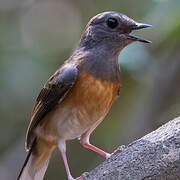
pixel 155 156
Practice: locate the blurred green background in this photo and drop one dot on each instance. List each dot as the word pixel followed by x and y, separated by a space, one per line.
pixel 36 36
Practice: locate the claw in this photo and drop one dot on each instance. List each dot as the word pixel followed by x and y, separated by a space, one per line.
pixel 82 176
pixel 108 155
pixel 118 150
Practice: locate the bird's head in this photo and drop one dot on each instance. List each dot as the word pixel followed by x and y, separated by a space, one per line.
pixel 111 29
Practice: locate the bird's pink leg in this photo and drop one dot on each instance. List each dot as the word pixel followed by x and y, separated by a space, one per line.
pixel 66 166
pixel 99 151
pixel 62 148
pixel 84 140
pixel 68 170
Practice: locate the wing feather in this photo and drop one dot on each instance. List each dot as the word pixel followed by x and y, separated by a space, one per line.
pixel 53 92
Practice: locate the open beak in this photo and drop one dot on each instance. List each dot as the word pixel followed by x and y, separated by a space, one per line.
pixel 138 26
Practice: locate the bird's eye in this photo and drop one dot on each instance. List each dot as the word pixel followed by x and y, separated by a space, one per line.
pixel 112 23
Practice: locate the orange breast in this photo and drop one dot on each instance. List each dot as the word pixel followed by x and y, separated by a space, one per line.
pixel 91 98
pixel 87 102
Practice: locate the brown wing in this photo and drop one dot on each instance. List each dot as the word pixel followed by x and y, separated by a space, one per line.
pixel 53 92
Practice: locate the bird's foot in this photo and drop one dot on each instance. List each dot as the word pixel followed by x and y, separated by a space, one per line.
pixel 118 150
pixel 82 176
pixel 108 155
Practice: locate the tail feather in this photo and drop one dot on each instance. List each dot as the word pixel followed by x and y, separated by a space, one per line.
pixel 36 163
pixel 27 159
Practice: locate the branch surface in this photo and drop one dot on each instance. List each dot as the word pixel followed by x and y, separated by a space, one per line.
pixel 155 156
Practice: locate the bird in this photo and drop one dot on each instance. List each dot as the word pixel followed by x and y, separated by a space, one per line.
pixel 77 97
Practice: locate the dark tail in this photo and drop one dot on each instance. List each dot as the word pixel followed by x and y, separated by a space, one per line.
pixel 27 158
pixel 36 162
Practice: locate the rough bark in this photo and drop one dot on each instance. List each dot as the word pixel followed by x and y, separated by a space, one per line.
pixel 155 156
